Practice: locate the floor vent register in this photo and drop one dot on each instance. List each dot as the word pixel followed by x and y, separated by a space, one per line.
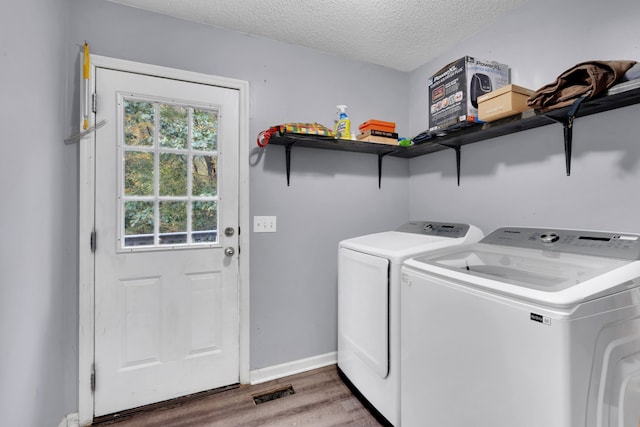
pixel 273 394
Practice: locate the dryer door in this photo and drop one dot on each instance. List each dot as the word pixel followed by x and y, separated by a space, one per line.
pixel 363 310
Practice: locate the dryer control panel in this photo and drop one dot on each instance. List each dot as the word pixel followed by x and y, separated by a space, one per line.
pixel 442 229
pixel 594 243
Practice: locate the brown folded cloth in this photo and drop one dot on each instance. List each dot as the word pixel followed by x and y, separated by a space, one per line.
pixel 585 79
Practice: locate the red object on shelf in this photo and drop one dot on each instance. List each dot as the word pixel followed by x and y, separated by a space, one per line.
pixel 377 125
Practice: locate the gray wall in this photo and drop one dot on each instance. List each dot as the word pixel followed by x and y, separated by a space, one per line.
pixel 517 179
pixel 520 179
pixel 332 195
pixel 38 279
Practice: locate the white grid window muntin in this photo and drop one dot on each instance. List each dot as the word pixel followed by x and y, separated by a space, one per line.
pixel 168 173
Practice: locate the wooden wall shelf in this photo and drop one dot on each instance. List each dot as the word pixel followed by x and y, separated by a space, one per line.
pixel 621 95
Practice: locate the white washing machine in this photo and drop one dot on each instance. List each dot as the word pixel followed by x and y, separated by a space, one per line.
pixel 369 305
pixel 528 327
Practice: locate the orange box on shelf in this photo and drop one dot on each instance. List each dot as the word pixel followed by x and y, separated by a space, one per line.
pixel 503 102
pixel 377 125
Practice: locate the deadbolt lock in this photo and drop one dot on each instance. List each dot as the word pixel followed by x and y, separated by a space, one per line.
pixel 229 231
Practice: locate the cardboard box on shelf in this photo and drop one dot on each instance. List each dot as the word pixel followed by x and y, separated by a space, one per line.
pixel 375 132
pixel 455 89
pixel 504 102
pixel 369 137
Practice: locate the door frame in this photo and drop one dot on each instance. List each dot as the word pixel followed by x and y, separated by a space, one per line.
pixel 87 212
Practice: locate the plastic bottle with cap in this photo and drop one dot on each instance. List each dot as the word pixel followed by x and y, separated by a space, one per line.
pixel 343 124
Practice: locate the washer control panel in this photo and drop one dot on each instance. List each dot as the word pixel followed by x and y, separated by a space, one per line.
pixel 431 228
pixel 595 243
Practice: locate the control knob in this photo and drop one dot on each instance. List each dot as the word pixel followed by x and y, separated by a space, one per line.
pixel 549 237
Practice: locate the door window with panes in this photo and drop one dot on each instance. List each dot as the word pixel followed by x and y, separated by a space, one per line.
pixel 168 180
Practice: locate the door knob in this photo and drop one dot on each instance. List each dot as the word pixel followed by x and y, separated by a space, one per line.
pixel 229 251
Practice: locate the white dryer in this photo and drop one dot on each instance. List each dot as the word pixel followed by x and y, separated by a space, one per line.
pixel 528 327
pixel 369 305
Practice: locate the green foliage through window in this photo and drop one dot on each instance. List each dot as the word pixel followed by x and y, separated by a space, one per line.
pixel 170 175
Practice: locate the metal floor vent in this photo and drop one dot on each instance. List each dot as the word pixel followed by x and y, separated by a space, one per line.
pixel 273 394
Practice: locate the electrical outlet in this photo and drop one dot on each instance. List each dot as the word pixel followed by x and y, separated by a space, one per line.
pixel 264 224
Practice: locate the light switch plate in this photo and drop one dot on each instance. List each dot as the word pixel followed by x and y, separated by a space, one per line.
pixel 264 224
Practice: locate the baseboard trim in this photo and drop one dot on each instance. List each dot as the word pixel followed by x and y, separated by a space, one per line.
pixel 70 420
pixel 269 373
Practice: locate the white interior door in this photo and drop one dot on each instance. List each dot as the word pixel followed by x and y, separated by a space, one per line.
pixel 166 224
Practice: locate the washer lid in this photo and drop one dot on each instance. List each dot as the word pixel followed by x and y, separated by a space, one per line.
pixel 396 245
pixel 548 277
pixel 529 269
pixel 400 245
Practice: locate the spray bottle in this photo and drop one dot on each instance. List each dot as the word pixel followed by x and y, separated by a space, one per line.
pixel 343 125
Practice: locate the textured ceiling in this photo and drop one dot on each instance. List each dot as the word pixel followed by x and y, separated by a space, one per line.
pixel 399 34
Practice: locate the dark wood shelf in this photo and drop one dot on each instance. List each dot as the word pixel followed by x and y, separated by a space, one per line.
pixel 621 95
pixel 330 143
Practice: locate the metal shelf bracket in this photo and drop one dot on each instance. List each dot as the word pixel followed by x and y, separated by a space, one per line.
pixel 288 161
pixel 567 124
pixel 380 156
pixel 290 143
pixel 456 148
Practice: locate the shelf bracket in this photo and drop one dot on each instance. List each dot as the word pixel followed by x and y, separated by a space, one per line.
pixel 380 156
pixel 567 130
pixel 456 148
pixel 287 148
pixel 288 162
pixel 567 125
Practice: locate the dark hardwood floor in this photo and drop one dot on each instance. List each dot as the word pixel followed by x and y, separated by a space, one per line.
pixel 320 398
